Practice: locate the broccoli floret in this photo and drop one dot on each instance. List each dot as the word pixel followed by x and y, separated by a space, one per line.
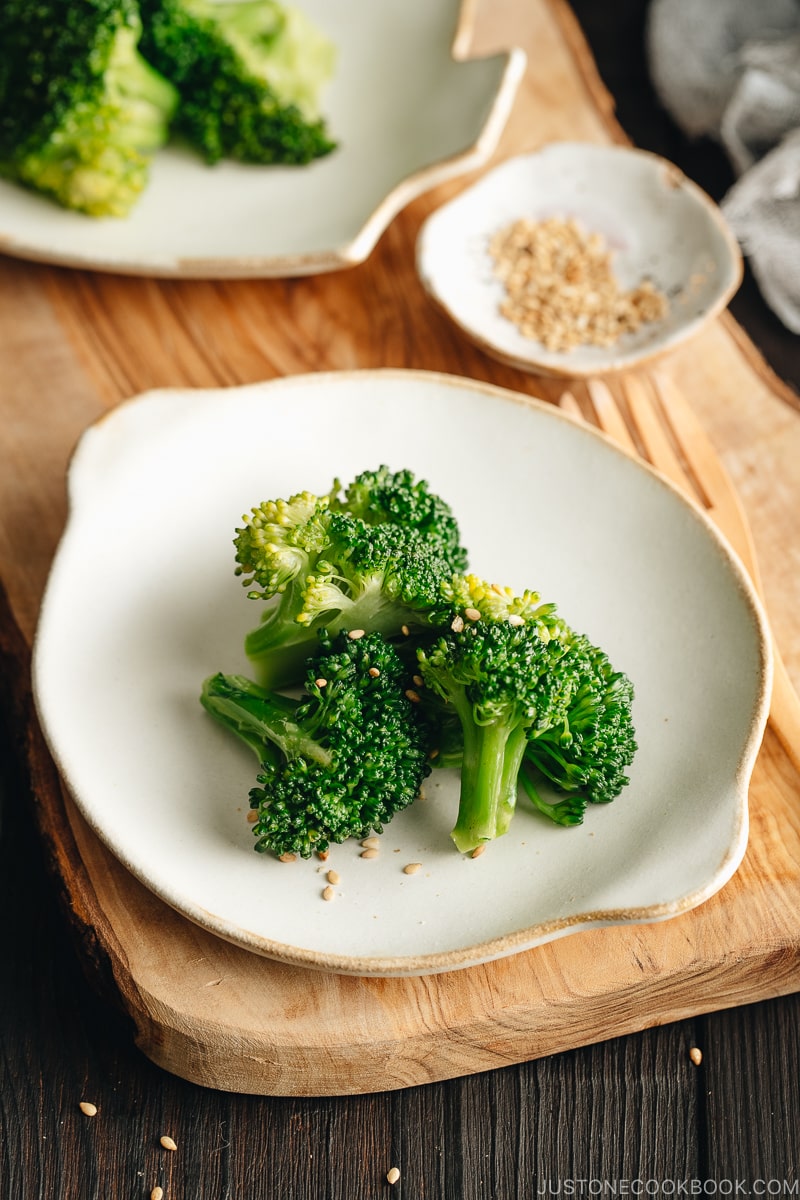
pixel 401 499
pixel 338 763
pixel 249 75
pixel 81 112
pixel 513 695
pixel 332 569
pixel 588 753
pixel 500 673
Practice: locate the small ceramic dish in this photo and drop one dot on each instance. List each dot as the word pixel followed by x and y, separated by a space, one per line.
pixel 408 108
pixel 143 604
pixel 658 225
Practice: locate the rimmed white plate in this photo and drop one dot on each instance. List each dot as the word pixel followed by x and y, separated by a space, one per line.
pixel 658 224
pixel 142 604
pixel 407 110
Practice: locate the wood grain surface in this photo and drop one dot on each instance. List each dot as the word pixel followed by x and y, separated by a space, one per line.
pixel 76 343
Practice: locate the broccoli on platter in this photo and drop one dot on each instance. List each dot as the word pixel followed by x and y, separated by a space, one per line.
pixel 587 755
pixel 400 498
pixel 529 695
pixel 338 763
pixel 81 112
pixel 327 567
pixel 501 680
pixel 249 74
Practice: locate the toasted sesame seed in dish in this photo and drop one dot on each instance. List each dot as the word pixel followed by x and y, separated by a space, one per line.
pixel 579 259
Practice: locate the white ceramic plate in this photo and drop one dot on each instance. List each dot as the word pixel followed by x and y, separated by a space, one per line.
pixel 658 223
pixel 142 605
pixel 407 114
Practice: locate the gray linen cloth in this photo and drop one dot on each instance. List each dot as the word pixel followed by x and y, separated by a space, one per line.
pixel 730 70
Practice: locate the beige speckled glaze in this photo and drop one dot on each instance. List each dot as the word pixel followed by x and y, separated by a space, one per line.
pixel 542 502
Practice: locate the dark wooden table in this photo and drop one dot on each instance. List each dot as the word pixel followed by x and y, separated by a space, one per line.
pixel 633 1116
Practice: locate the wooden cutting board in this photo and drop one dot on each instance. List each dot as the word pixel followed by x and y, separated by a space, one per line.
pixel 72 345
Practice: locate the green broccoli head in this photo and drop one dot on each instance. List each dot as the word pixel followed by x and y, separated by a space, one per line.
pixel 501 677
pixel 341 761
pixel 323 566
pixel 399 498
pixel 82 112
pixel 249 74
pixel 590 750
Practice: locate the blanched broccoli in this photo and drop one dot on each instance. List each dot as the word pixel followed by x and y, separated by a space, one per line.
pixel 588 754
pixel 328 567
pixel 81 112
pixel 400 498
pixel 500 676
pixel 528 694
pixel 340 762
pixel 249 75
pixel 503 688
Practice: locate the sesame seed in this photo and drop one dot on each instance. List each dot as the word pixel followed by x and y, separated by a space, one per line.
pixel 371 843
pixel 433 754
pixel 87 1108
pixel 355 634
pixel 412 868
pixel 374 672
pixel 369 854
pixel 168 1143
pixel 392 1175
pixel 696 1055
pixel 457 624
pixel 252 816
pixel 288 857
pixel 157 1193
pixel 515 619
pixel 472 614
pixel 404 630
pixel 412 695
pixel 328 893
pixel 561 289
pixel 496 588
pixel 418 680
pixel 333 877
pixel 321 683
pixel 478 851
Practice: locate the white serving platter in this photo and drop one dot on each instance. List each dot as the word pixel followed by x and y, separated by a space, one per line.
pixel 142 604
pixel 407 109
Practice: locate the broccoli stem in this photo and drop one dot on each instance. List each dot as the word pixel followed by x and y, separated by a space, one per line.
pixel 259 719
pixel 149 99
pixel 569 811
pixel 279 656
pixel 489 772
pixel 279 649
